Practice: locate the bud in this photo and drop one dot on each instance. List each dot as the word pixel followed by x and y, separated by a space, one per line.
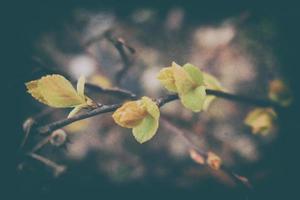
pixel 58 137
pixel 130 114
pixel 280 93
pixel 188 82
pixel 261 120
pixel 213 160
pixel 142 116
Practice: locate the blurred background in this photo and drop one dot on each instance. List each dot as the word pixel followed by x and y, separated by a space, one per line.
pixel 244 46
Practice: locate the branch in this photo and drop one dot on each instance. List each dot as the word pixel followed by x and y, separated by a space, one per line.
pixel 112 91
pixel 47 129
pixel 242 181
pixel 228 96
pixel 57 169
pixel 120 45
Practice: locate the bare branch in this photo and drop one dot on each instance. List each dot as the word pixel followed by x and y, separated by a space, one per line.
pixel 160 102
pixel 112 91
pixel 57 169
pixel 120 45
pixel 242 181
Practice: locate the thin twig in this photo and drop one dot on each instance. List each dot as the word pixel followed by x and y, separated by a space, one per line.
pixel 228 96
pixel 46 129
pixel 58 169
pixel 120 46
pixel 112 91
pixel 174 129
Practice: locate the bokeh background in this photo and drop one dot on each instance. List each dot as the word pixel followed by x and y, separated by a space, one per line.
pixel 244 46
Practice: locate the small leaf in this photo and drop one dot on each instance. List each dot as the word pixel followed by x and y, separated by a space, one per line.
pixel 183 81
pixel 151 107
pixel 80 86
pixel 76 110
pixel 130 114
pixel 166 78
pixel 194 73
pixel 141 115
pixel 261 120
pixel 194 99
pixel 55 91
pixel 146 129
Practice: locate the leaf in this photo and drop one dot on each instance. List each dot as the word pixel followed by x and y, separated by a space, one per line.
pixel 151 107
pixel 194 99
pixel 32 88
pixel 141 115
pixel 261 120
pixel 183 81
pixel 76 110
pixel 80 86
pixel 166 78
pixel 55 91
pixel 194 73
pixel 146 129
pixel 280 93
pixel 130 114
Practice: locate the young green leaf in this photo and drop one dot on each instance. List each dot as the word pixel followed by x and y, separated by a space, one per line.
pixel 194 99
pixel 261 120
pixel 141 115
pixel 56 91
pixel 188 82
pixel 146 129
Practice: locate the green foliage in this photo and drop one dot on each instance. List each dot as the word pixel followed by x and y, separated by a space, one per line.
pixel 141 115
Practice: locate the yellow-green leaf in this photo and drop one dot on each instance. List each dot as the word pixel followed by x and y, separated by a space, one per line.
pixel 166 78
pixel 76 110
pixel 195 73
pixel 261 120
pixel 80 86
pixel 141 115
pixel 55 91
pixel 183 81
pixel 146 129
pixel 130 114
pixel 194 99
pixel 151 107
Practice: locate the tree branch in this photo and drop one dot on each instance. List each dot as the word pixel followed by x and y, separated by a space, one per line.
pixel 120 45
pixel 228 96
pixel 242 181
pixel 47 129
